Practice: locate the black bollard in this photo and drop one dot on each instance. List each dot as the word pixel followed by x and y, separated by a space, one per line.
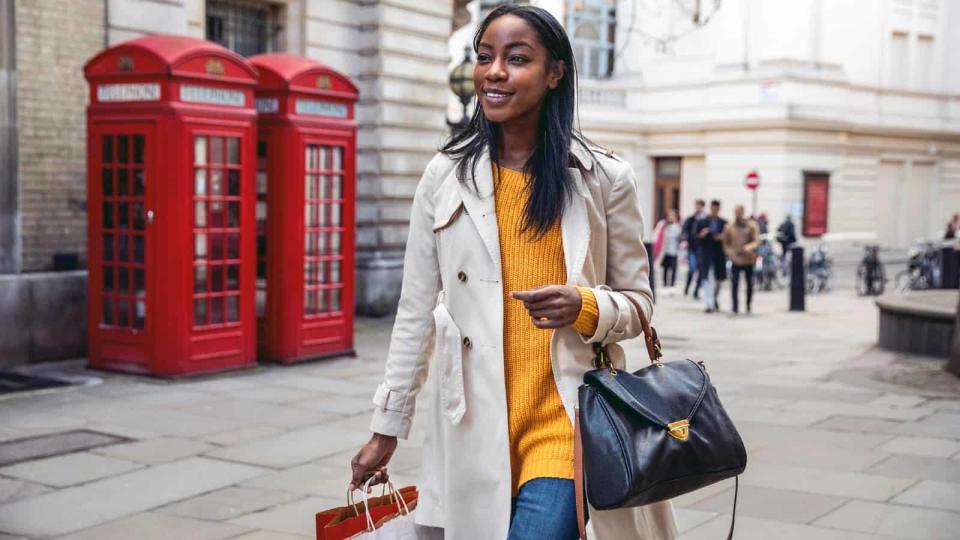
pixel 653 276
pixel 798 280
pixel 949 268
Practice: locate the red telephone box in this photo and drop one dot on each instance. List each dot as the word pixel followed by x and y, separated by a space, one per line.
pixel 171 231
pixel 306 193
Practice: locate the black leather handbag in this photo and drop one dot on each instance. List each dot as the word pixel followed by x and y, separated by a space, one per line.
pixel 650 435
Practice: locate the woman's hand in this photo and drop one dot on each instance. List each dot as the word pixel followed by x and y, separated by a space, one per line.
pixel 372 460
pixel 553 306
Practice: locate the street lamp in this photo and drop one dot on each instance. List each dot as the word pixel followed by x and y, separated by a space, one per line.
pixel 461 84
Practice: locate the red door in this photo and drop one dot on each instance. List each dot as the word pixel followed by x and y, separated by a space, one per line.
pixel 120 256
pixel 327 292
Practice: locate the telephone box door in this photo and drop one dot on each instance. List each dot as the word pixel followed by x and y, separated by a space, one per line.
pixel 120 258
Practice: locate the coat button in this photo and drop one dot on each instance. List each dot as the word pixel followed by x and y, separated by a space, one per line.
pixel 467 343
pixel 462 276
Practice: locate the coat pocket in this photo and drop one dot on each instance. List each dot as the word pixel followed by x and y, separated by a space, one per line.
pixel 449 354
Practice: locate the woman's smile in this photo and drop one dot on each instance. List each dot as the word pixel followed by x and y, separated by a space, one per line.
pixel 494 97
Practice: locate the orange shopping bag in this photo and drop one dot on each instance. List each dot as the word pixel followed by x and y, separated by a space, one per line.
pixel 345 522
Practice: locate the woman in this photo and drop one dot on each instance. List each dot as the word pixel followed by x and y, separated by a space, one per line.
pixel 670 248
pixel 523 251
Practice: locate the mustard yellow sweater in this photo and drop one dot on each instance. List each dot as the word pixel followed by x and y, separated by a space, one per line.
pixel 541 435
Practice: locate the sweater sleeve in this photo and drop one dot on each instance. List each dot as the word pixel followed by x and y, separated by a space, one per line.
pixel 586 322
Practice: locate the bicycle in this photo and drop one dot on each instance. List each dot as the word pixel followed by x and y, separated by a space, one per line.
pixel 819 271
pixel 871 275
pixel 923 268
pixel 767 275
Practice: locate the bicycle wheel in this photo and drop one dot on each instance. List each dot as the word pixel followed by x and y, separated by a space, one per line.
pixel 879 280
pixel 904 281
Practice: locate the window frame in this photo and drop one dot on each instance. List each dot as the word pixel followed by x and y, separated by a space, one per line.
pixel 602 14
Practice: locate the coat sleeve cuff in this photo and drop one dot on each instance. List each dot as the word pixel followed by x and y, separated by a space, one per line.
pixel 606 315
pixel 589 315
pixel 393 414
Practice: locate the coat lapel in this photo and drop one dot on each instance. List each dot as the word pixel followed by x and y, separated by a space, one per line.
pixel 575 224
pixel 481 208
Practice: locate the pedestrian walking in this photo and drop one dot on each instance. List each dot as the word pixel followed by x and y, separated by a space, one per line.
pixel 691 243
pixel 523 251
pixel 741 238
pixel 786 237
pixel 952 227
pixel 713 262
pixel 670 248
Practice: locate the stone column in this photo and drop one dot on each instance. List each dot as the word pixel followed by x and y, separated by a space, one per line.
pixel 10 250
pixel 403 82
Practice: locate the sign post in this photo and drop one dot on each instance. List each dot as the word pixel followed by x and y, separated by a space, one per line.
pixel 752 181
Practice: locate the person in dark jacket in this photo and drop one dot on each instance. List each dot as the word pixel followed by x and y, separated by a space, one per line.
pixel 689 239
pixel 713 262
pixel 786 237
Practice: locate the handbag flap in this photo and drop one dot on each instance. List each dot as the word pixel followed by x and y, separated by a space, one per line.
pixel 662 395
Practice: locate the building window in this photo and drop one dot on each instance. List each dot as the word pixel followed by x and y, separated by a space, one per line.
pixel 245 27
pixel 592 26
pixel 924 64
pixel 898 58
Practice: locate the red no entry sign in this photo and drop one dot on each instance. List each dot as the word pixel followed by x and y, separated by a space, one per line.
pixel 752 180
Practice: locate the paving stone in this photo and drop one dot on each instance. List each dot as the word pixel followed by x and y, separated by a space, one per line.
pixel 229 503
pixel 898 400
pixel 918 467
pixel 863 411
pixel 750 528
pixel 922 446
pixel 767 434
pixel 12 490
pixel 775 504
pixel 160 420
pixel 271 535
pixel 79 507
pixel 945 404
pixel 294 447
pixel 817 456
pixel 272 394
pixel 153 526
pixel 688 519
pixel 804 391
pixel 310 479
pixel 295 518
pixel 836 483
pixel 264 414
pixel 172 397
pixel 134 433
pixel 345 405
pixel 8 537
pixel 942 495
pixel 236 436
pixel 156 451
pixel 923 428
pixel 330 385
pixel 778 417
pixel 692 498
pixel 52 444
pixel 69 469
pixel 894 520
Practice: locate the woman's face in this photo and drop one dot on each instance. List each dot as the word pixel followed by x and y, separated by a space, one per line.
pixel 513 72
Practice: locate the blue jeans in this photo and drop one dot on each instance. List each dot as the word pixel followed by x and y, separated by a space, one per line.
pixel 545 508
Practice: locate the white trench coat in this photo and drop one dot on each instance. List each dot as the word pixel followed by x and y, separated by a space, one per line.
pixel 449 331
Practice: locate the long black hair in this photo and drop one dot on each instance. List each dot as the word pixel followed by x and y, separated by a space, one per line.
pixel 547 167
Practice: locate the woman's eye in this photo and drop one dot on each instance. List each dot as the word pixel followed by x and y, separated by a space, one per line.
pixel 518 59
pixel 483 58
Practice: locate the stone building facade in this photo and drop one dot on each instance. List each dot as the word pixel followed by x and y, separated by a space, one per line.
pixel 396 52
pixel 861 99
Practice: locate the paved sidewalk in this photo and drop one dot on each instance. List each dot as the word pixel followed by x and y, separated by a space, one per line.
pixel 845 441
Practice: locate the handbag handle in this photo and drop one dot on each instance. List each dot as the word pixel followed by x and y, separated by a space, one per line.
pixel 650 339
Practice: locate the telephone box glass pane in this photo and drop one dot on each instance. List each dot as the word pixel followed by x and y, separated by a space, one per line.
pixel 200 150
pixel 233 246
pixel 233 150
pixel 139 217
pixel 107 215
pixel 336 189
pixel 334 299
pixel 335 243
pixel 200 182
pixel 123 283
pixel 233 277
pixel 138 148
pixel 123 149
pixel 334 271
pixel 139 186
pixel 123 182
pixel 139 283
pixel 216 182
pixel 216 150
pixel 199 279
pixel 123 243
pixel 107 143
pixel 138 248
pixel 107 247
pixel 233 308
pixel 107 278
pixel 123 312
pixel 107 182
pixel 337 165
pixel 335 215
pixel 216 310
pixel 107 309
pixel 199 214
pixel 233 182
pixel 199 311
pixel 216 247
pixel 216 278
pixel 200 247
pixel 233 214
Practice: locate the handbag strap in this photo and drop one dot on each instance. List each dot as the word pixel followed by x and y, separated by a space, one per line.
pixel 580 488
